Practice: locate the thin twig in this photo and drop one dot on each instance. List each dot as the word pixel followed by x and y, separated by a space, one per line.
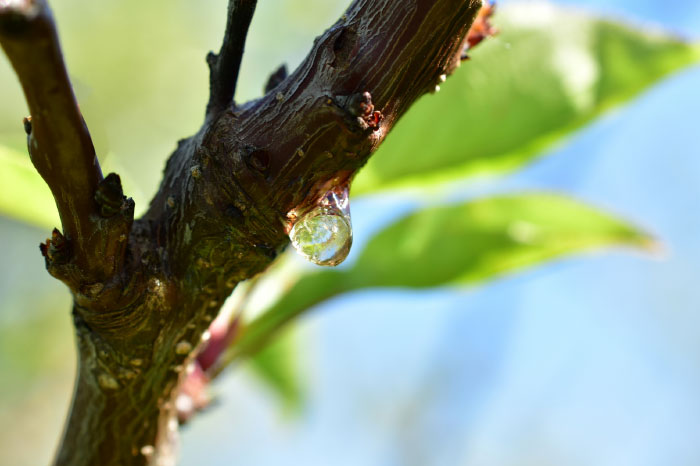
pixel 95 216
pixel 225 66
pixel 59 142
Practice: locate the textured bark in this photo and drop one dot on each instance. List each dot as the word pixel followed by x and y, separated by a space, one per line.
pixel 145 292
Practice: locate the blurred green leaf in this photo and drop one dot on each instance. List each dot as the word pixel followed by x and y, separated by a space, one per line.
pixel 23 194
pixel 277 365
pixel 305 293
pixel 453 244
pixel 479 240
pixel 549 72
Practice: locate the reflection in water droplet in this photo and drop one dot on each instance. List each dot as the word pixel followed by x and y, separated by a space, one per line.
pixel 324 234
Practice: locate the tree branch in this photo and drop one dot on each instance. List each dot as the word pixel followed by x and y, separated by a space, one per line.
pixel 61 149
pixel 257 163
pixel 226 333
pixel 225 204
pixel 225 66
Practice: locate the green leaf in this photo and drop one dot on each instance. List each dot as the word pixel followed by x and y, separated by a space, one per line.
pixel 305 293
pixel 277 366
pixel 453 244
pixel 472 242
pixel 23 194
pixel 549 72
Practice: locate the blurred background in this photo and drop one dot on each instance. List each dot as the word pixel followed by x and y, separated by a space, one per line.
pixel 590 359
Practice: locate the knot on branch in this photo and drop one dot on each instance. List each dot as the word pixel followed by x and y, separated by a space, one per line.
pixel 212 60
pixel 58 253
pixel 359 106
pixel 27 123
pixel 276 78
pixel 56 249
pixel 257 159
pixel 344 46
pixel 107 249
pixel 110 196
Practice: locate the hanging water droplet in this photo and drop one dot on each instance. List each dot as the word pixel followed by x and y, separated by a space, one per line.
pixel 323 235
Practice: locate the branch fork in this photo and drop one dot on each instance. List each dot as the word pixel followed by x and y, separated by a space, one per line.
pixel 147 290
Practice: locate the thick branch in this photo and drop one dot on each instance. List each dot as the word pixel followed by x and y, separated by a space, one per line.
pixel 257 163
pixel 225 66
pixel 59 145
pixel 225 204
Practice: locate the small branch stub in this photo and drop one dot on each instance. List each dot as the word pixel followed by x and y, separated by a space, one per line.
pixel 279 75
pixel 110 195
pixel 56 249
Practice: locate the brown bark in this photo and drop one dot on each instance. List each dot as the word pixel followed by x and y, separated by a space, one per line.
pixel 145 292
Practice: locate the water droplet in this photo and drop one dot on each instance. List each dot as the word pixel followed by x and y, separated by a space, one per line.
pixel 323 235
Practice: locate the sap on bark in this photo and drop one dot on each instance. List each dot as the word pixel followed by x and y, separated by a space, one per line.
pixel 323 235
